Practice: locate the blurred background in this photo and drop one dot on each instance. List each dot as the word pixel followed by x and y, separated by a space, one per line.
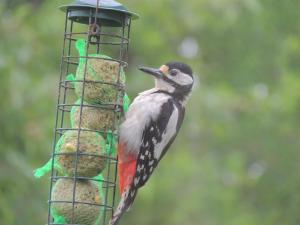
pixel 236 160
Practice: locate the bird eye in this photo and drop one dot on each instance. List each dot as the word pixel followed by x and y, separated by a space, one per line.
pixel 173 72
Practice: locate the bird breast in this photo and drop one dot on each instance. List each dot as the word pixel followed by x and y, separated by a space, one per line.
pixel 145 108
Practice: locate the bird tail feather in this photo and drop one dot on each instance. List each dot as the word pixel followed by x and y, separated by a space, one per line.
pixel 126 171
pixel 125 203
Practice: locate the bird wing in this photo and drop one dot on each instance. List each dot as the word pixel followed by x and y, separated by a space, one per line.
pixel 156 140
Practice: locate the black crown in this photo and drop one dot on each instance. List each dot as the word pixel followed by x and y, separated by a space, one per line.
pixel 180 66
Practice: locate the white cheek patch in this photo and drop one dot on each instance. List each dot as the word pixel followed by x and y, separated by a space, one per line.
pixel 182 79
pixel 162 85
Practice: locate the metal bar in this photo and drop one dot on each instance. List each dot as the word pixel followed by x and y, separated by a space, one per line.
pixel 85 178
pixel 123 63
pixel 83 203
pixel 99 42
pixel 123 30
pixel 61 131
pixel 85 154
pixel 56 120
pixel 128 35
pixel 116 121
pixel 100 33
pixel 94 82
pixel 79 125
pixel 64 224
pixel 104 106
pixel 67 72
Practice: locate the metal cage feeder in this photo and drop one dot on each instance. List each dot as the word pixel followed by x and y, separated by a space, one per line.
pixel 89 107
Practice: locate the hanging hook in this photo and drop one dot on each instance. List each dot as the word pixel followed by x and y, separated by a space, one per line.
pixel 94 29
pixel 94 33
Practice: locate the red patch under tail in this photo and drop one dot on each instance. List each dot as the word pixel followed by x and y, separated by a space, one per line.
pixel 126 167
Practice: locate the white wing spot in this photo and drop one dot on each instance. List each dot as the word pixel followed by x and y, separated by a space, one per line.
pixel 132 193
pixel 151 162
pixel 152 128
pixel 151 169
pixel 158 131
pixel 142 157
pixel 136 180
pixel 146 144
pixel 154 141
pixel 147 152
pixel 139 168
pixel 145 177
pixel 126 194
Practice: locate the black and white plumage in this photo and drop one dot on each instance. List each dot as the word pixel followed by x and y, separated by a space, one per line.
pixel 150 127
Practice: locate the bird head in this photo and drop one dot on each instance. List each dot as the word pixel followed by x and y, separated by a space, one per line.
pixel 176 78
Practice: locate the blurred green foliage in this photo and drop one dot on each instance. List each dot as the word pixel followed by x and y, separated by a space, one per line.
pixel 236 158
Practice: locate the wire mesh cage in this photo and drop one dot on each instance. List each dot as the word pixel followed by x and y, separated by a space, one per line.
pixel 91 102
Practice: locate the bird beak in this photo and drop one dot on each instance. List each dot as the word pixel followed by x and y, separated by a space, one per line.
pixel 154 72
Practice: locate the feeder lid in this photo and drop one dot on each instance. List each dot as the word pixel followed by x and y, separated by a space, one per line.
pixel 111 12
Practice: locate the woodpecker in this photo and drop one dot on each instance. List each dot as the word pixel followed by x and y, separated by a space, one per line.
pixel 150 126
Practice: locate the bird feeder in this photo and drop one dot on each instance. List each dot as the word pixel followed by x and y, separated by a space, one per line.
pixel 91 101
